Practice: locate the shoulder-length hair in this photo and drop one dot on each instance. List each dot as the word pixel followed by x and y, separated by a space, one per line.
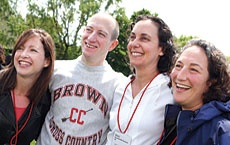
pixel 8 76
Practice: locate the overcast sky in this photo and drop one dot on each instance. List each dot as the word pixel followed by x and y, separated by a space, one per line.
pixel 207 19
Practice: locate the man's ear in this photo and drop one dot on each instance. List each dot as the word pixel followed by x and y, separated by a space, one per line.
pixel 113 45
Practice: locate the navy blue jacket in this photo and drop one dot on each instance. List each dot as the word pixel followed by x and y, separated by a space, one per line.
pixel 209 125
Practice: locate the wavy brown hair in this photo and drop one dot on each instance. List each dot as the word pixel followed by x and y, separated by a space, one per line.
pixel 8 76
pixel 218 68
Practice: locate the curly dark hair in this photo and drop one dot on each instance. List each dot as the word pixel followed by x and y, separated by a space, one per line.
pixel 165 41
pixel 218 68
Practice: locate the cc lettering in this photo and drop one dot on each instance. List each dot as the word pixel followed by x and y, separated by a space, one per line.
pixel 76 116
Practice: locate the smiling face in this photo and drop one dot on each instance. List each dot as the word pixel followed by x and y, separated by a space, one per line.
pixel 96 39
pixel 190 78
pixel 143 46
pixel 29 59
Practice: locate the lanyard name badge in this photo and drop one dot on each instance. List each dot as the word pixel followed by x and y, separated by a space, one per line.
pixel 120 138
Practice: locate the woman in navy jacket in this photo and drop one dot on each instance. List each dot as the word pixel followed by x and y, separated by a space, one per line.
pixel 24 100
pixel 201 90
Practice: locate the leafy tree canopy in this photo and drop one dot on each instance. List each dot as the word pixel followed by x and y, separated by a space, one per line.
pixel 64 19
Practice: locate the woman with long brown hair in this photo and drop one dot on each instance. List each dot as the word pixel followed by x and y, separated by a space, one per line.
pixel 24 99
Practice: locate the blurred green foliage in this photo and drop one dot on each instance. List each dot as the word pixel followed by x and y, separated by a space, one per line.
pixel 64 21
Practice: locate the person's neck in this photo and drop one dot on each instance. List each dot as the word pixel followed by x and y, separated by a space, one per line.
pixel 143 77
pixel 192 108
pixel 20 96
pixel 23 85
pixel 92 62
pixel 141 80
